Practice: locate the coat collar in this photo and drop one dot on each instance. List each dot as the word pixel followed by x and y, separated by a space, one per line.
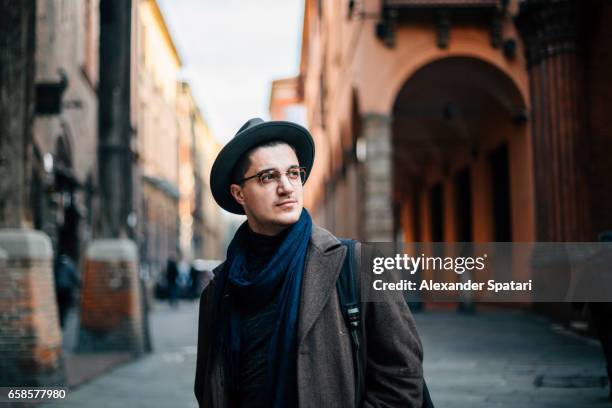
pixel 323 265
pixel 322 239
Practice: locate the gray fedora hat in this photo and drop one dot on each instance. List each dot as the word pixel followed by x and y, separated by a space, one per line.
pixel 254 133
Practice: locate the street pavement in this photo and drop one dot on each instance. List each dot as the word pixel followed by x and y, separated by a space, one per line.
pixel 490 359
pixel 161 379
pixel 509 358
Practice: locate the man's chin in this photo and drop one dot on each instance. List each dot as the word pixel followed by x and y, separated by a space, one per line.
pixel 289 217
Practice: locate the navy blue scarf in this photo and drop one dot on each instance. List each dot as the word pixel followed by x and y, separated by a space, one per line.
pixel 282 277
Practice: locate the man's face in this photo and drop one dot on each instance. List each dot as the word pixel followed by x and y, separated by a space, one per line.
pixel 274 206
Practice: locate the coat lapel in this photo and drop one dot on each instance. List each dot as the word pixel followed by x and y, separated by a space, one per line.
pixel 323 264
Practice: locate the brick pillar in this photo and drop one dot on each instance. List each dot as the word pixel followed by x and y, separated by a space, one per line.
pixel 378 180
pixel 552 33
pixel 30 334
pixel 111 318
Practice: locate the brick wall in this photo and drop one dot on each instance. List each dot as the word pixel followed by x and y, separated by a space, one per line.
pixel 30 335
pixel 111 316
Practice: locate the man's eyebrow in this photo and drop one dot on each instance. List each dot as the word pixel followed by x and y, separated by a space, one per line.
pixel 293 166
pixel 265 170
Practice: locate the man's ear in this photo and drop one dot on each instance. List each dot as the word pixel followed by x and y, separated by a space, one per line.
pixel 237 193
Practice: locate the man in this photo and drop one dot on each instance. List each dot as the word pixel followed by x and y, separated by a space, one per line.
pixel 271 330
pixel 172 274
pixel 67 283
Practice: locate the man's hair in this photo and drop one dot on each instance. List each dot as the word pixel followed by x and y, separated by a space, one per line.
pixel 244 162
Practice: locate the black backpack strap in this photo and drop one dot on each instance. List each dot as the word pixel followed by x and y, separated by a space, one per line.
pixel 350 303
pixel 347 287
pixel 427 402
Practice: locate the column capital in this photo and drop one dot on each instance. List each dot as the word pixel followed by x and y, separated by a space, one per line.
pixel 25 244
pixel 377 117
pixel 550 27
pixel 112 250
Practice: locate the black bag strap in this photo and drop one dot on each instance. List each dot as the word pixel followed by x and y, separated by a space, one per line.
pixel 350 303
pixel 427 402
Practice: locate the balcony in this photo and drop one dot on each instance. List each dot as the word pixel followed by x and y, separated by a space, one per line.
pixel 441 13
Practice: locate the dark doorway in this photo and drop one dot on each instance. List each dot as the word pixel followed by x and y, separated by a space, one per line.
pixel 437 213
pixel 416 218
pixel 463 205
pixel 68 232
pixel 500 178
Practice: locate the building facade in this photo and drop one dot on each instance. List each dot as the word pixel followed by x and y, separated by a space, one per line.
pixel 201 222
pixel 286 101
pixel 63 200
pixel 48 155
pixel 186 111
pixel 458 120
pixel 91 138
pixel 154 109
pixel 210 238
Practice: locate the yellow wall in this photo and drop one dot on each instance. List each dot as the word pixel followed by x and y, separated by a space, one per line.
pixel 158 67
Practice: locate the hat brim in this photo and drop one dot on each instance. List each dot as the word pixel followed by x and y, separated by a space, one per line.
pixel 221 173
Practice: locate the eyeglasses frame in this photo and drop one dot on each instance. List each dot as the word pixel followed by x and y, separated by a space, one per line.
pixel 260 173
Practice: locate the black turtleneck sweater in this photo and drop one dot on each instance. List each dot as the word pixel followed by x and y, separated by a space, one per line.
pixel 256 327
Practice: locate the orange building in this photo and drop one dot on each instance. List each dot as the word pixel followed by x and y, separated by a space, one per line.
pixel 448 120
pixel 286 101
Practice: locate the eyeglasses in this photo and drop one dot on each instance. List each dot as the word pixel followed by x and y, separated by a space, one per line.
pixel 294 174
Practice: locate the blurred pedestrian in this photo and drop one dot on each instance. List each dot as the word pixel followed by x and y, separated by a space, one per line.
pixel 194 281
pixel 272 332
pixel 171 281
pixel 66 283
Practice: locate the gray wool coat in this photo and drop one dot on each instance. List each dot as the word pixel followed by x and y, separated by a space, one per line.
pixel 393 372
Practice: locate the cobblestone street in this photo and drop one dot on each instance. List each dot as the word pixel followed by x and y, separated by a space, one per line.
pixel 490 359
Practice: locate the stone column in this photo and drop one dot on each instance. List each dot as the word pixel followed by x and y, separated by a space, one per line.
pixel 111 318
pixel 30 334
pixel 552 34
pixel 378 178
pixel 17 68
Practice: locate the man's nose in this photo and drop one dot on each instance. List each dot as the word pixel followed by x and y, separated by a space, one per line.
pixel 284 185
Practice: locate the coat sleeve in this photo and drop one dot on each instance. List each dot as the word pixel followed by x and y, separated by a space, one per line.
pixel 203 349
pixel 394 354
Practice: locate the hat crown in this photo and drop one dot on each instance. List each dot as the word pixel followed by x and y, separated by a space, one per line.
pixel 249 124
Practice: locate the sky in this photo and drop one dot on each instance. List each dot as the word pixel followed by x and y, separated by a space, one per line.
pixel 231 51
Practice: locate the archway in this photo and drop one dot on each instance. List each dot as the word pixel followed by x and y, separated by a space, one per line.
pixel 461 154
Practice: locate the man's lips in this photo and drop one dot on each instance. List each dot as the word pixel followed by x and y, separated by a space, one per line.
pixel 284 203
